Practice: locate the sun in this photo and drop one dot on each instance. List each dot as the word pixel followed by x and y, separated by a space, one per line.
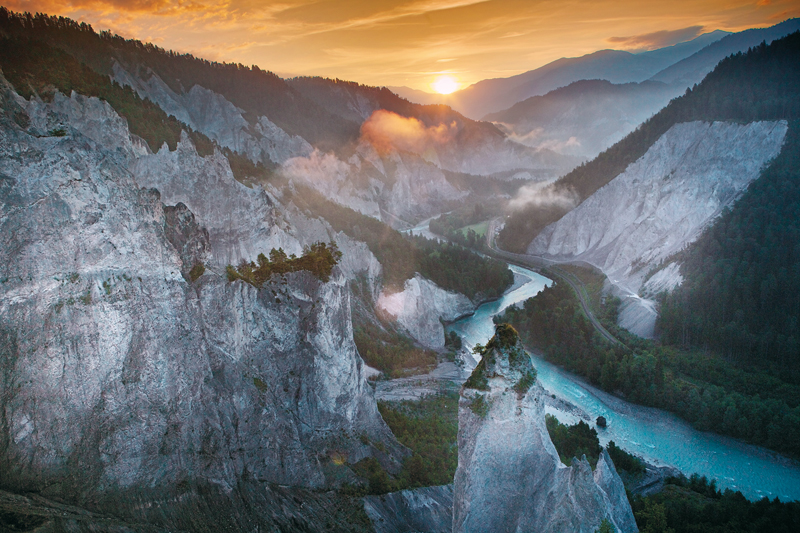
pixel 445 85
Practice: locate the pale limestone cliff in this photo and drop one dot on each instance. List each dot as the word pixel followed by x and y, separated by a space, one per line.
pixel 423 510
pixel 509 475
pixel 409 188
pixel 117 375
pixel 661 203
pixel 420 308
pixel 212 114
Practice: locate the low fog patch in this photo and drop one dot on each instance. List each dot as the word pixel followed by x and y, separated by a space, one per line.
pixel 543 195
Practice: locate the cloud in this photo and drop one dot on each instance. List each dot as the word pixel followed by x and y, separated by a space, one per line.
pixel 656 39
pixel 135 6
pixel 543 195
pixel 385 131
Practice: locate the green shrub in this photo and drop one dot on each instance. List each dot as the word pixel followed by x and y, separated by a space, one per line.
pixel 478 380
pixel 319 259
pixel 526 382
pixel 480 405
pixel 623 460
pixel 260 384
pixel 197 271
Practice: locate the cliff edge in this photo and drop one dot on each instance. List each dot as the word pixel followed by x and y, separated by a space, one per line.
pixel 509 475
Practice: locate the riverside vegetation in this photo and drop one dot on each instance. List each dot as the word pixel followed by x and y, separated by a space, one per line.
pixel 685 505
pixel 467 228
pixel 705 390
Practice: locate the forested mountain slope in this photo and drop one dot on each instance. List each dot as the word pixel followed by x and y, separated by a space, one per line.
pixel 256 91
pixel 761 84
pixel 694 68
pixel 740 294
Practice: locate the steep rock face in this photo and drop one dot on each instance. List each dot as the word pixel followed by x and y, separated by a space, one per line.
pixel 116 374
pixel 663 201
pixel 414 189
pixel 423 510
pixel 241 222
pixel 395 187
pixel 213 115
pixel 509 475
pixel 420 308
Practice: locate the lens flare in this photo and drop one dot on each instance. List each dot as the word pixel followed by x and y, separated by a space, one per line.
pixel 445 85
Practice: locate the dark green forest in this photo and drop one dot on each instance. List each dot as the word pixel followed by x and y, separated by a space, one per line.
pixel 256 91
pixel 704 389
pixel 392 353
pixel 741 291
pixel 695 505
pixel 761 84
pixel 429 428
pixel 450 266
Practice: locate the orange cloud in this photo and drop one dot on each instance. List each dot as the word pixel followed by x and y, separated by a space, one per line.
pixel 136 6
pixel 386 131
pixel 656 39
pixel 403 42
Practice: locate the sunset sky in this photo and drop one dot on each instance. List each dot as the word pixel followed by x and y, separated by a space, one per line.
pixel 410 42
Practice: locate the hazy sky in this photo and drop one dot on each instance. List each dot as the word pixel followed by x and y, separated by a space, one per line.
pixel 410 42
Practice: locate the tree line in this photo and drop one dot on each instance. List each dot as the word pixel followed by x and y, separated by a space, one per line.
pixel 319 259
pixel 256 91
pixel 703 389
pixel 450 266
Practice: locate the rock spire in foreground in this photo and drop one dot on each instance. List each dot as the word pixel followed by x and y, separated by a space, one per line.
pixel 509 475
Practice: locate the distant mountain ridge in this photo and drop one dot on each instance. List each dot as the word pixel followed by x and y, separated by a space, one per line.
pixel 695 67
pixel 616 66
pixel 585 117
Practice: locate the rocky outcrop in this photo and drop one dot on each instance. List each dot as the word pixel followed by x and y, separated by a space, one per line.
pixel 120 376
pixel 216 117
pixel 421 307
pixel 409 188
pixel 423 510
pixel 396 187
pixel 242 222
pixel 509 475
pixel 663 201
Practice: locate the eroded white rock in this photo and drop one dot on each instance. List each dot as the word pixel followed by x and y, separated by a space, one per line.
pixel 420 308
pixel 663 201
pixel 509 475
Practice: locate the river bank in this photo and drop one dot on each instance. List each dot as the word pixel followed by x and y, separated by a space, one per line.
pixel 659 437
